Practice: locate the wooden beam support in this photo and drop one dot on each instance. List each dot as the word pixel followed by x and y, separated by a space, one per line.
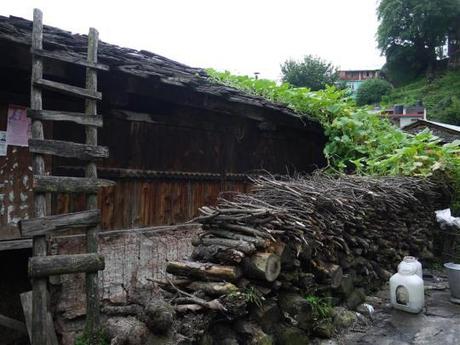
pixel 43 225
pixel 45 266
pixel 68 149
pixel 65 57
pixel 67 89
pixel 39 286
pixel 79 118
pixel 63 184
pixel 15 244
pixel 10 323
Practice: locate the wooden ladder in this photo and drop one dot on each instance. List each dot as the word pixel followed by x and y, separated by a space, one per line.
pixel 42 266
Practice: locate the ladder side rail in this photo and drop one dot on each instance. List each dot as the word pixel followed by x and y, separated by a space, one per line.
pixel 39 285
pixel 92 290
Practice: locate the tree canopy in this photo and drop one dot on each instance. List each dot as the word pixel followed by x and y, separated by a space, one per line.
pixel 372 91
pixel 312 72
pixel 411 31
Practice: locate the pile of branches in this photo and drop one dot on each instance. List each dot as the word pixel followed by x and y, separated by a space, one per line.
pixel 317 234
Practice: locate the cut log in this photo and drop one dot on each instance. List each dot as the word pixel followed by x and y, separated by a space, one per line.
pixel 65 57
pixel 206 271
pixel 43 225
pixel 258 242
pixel 213 288
pixel 247 230
pixel 68 149
pixel 67 89
pixel 244 247
pixel 44 266
pixel 265 266
pixel 61 184
pixel 328 273
pixel 15 244
pixel 79 118
pixel 217 254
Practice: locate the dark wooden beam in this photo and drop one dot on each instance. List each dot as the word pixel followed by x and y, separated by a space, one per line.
pixel 45 266
pixel 79 118
pixel 68 149
pixel 15 244
pixel 64 57
pixel 67 89
pixel 43 225
pixel 10 323
pixel 61 184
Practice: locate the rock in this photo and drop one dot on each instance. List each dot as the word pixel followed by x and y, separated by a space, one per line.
pixel 343 318
pixel 346 287
pixel 374 301
pixel 159 316
pixel 267 316
pixel 291 335
pixel 296 309
pixel 252 332
pixel 126 331
pixel 365 309
pixel 223 334
pixel 356 298
pixel 324 329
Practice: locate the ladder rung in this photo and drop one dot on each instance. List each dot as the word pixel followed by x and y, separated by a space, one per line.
pixel 45 266
pixel 43 225
pixel 64 184
pixel 80 118
pixel 61 56
pixel 68 149
pixel 68 89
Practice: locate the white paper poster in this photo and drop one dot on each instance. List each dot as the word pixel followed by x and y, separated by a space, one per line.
pixel 18 130
pixel 3 145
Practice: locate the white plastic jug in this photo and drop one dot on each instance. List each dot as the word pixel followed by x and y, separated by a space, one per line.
pixel 406 288
pixel 411 261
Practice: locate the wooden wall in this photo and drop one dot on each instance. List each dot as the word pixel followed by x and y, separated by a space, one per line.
pixel 168 158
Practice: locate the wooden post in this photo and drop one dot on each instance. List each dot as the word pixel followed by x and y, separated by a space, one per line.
pixel 92 292
pixel 39 288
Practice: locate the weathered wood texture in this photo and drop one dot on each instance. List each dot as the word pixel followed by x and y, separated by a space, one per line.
pixel 65 184
pixel 67 89
pixel 45 266
pixel 68 149
pixel 61 56
pixel 41 226
pixel 92 287
pixel 39 289
pixel 50 115
pixel 10 323
pixel 205 271
pixel 15 244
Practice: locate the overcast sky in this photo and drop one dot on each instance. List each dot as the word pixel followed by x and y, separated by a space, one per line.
pixel 243 36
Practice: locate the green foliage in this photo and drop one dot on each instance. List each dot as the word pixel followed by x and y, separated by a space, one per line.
pixel 101 339
pixel 372 90
pixel 313 72
pixel 412 33
pixel 322 308
pixel 359 142
pixel 440 96
pixel 253 296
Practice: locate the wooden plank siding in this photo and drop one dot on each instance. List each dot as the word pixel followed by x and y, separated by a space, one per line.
pixel 139 203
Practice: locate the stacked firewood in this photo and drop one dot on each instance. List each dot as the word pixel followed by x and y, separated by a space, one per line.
pixel 308 235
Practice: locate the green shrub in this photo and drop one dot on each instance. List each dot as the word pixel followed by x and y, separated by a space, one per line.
pixel 372 91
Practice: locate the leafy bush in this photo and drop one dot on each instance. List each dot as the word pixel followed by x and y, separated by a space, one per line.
pixel 359 141
pixel 371 91
pixel 313 72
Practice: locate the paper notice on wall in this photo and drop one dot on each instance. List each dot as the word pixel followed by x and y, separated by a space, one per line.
pixel 3 145
pixel 18 130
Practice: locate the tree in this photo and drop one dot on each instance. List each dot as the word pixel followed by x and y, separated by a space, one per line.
pixel 417 27
pixel 312 72
pixel 372 90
